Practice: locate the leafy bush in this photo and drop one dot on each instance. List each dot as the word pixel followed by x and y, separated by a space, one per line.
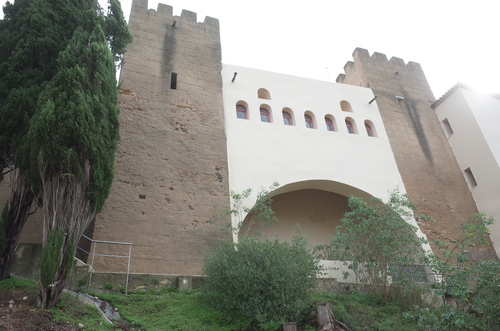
pixel 470 291
pixel 380 246
pixel 267 281
pixel 249 218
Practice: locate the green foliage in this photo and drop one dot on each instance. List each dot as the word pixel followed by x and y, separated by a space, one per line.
pixel 442 319
pixel 58 112
pixel 19 283
pixel 70 257
pixel 455 254
pixel 109 286
pixel 474 293
pixel 379 245
pixel 261 214
pixel 117 32
pixel 71 310
pixel 82 282
pixel 51 256
pixel 31 36
pixel 265 281
pixel 77 121
pixel 367 312
pixel 3 227
pixel 470 291
pixel 169 309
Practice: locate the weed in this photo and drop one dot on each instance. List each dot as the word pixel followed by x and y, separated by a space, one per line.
pixel 71 310
pixel 82 282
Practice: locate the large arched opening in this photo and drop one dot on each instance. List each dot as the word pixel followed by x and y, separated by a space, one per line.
pixel 315 207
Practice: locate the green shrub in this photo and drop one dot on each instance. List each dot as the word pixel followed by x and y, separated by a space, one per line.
pixel 82 282
pixel 267 281
pixel 51 255
pixel 380 246
pixel 109 286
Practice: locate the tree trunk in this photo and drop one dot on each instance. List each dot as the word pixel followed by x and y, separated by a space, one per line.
pixel 67 211
pixel 326 320
pixel 49 295
pixel 20 203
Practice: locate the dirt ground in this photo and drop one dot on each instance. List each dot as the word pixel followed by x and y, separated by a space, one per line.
pixel 17 312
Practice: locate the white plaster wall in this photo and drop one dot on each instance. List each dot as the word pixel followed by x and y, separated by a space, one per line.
pixel 486 111
pixel 475 120
pixel 262 153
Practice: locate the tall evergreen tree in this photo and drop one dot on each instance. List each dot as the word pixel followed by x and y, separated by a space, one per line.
pixel 32 34
pixel 69 136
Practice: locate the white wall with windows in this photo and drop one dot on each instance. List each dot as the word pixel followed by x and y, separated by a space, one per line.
pixel 305 135
pixel 471 121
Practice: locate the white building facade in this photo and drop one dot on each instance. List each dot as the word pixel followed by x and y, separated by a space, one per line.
pixel 320 141
pixel 471 121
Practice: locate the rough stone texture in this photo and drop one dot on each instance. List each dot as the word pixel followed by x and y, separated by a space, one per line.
pixel 430 173
pixel 171 164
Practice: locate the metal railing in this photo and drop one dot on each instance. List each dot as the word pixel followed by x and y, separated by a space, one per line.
pixel 93 245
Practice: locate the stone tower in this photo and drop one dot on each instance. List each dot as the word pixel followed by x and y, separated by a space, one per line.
pixel 171 163
pixel 432 178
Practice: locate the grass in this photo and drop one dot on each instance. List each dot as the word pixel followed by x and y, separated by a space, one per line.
pixel 169 309
pixel 69 308
pixel 27 285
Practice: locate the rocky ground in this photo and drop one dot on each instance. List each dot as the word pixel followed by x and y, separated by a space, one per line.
pixel 17 312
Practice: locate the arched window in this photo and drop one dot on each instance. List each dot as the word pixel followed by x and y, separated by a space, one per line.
pixel 309 122
pixel 349 126
pixel 264 115
pixel 241 112
pixel 369 130
pixel 345 106
pixel 262 93
pixel 287 118
pixel 329 124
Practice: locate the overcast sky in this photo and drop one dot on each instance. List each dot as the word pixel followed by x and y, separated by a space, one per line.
pixel 453 40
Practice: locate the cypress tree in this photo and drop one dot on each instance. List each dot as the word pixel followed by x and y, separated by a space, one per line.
pixel 68 134
pixel 32 34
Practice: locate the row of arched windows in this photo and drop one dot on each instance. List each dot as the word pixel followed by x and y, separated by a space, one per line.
pixel 262 93
pixel 331 125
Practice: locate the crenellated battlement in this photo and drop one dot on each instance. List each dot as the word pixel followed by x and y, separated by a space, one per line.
pixel 166 12
pixel 380 57
pixel 392 70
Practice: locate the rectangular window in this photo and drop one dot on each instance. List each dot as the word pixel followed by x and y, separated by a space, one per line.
pixel 469 177
pixel 173 81
pixel 447 127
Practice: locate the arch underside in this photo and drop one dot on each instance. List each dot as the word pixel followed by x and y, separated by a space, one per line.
pixel 313 207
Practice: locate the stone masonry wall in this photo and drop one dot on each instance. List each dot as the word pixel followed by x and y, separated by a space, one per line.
pixel 171 164
pixel 430 173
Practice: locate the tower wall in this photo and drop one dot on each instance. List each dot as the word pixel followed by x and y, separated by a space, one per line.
pixel 171 164
pixel 432 178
